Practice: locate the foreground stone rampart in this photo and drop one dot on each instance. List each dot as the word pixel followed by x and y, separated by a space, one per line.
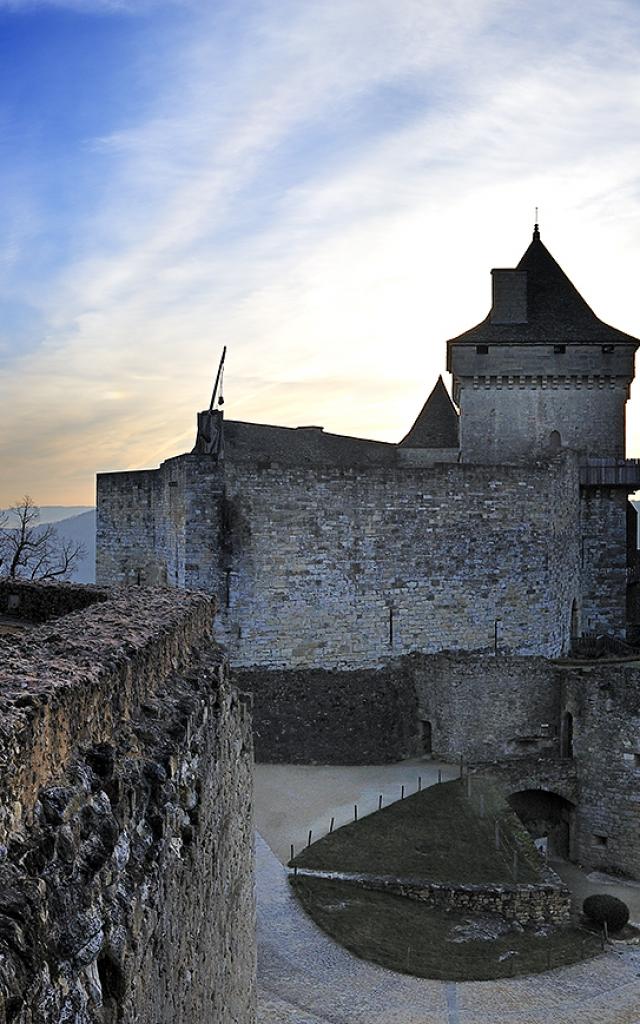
pixel 125 819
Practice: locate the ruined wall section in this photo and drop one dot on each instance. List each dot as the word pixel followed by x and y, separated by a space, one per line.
pixel 125 820
pixel 604 702
pixel 311 716
pixel 38 602
pixel 163 526
pixel 485 708
pixel 603 526
pixel 343 568
pixel 126 544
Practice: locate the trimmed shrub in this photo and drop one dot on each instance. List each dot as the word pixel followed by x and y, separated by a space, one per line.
pixel 603 909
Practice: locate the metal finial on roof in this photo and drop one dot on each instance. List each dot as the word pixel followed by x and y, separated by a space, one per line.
pixel 536 227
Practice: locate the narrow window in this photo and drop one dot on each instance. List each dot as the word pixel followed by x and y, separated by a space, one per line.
pixel 560 349
pixel 391 627
pixel 482 350
pixel 227 588
pixel 426 738
pixel 555 440
pixel 607 349
pixel 567 735
pixel 599 840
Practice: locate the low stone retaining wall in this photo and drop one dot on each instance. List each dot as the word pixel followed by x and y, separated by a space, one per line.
pixel 38 602
pixel 548 902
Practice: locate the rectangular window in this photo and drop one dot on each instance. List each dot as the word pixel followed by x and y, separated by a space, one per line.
pixel 607 349
pixel 599 840
pixel 560 349
pixel 482 350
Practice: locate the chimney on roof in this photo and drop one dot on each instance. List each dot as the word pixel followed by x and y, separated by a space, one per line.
pixel 509 288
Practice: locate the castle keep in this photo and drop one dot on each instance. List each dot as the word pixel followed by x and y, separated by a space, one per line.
pixel 383 598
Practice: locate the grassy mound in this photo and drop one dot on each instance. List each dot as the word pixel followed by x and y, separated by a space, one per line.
pixel 438 834
pixel 409 937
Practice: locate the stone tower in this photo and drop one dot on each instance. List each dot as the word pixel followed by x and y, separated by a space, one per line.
pixel 541 371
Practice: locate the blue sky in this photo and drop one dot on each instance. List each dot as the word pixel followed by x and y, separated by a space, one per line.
pixel 322 186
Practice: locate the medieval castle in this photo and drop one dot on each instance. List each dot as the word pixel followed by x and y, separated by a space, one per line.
pixel 381 599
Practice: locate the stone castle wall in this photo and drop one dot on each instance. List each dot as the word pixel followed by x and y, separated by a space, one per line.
pixel 346 569
pixel 512 417
pixel 125 819
pixel 603 525
pixel 604 702
pixel 486 708
pixel 37 602
pixel 312 716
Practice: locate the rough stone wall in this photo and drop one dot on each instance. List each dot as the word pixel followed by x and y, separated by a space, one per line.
pixel 528 904
pixel 549 773
pixel 345 569
pixel 37 602
pixel 125 820
pixel 513 396
pixel 603 526
pixel 486 708
pixel 162 526
pixel 126 544
pixel 503 419
pixel 604 701
pixel 320 717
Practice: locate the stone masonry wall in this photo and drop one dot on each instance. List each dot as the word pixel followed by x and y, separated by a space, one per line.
pixel 127 548
pixel 505 418
pixel 528 904
pixel 125 820
pixel 37 602
pixel 320 717
pixel 604 701
pixel 346 569
pixel 487 707
pixel 603 514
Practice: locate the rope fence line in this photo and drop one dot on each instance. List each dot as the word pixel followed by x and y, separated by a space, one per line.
pixel 356 813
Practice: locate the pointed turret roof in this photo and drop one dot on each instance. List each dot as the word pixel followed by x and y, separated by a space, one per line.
pixel 437 423
pixel 555 310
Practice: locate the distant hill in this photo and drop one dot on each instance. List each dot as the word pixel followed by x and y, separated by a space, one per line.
pixel 56 513
pixel 79 528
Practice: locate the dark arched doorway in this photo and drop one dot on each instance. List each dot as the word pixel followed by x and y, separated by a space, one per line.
pixel 548 815
pixel 555 441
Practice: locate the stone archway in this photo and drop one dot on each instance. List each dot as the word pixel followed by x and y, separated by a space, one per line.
pixel 546 814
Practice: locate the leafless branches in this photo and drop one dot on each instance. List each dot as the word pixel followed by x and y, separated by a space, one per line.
pixel 31 551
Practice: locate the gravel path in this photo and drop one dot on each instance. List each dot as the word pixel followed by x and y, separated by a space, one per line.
pixel 306 978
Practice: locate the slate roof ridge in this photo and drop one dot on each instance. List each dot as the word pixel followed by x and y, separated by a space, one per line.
pixel 437 424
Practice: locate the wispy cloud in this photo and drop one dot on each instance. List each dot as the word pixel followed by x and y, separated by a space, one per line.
pixel 91 6
pixel 324 188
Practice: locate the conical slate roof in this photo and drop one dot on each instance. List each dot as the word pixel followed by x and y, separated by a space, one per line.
pixel 437 422
pixel 555 309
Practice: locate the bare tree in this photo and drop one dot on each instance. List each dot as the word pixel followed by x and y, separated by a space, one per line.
pixel 29 551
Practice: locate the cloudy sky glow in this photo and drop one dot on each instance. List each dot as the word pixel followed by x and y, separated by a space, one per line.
pixel 322 186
